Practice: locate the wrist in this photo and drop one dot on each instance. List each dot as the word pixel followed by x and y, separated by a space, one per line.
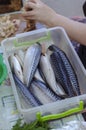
pixel 52 21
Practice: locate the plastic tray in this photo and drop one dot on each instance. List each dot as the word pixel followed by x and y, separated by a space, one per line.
pixel 59 37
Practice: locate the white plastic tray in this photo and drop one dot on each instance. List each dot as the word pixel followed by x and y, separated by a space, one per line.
pixel 60 38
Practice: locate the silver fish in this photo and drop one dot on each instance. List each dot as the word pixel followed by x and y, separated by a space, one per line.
pixel 21 55
pixel 43 93
pixel 16 67
pixel 38 76
pixel 31 61
pixel 48 72
pixel 25 92
pixel 11 61
pixel 18 58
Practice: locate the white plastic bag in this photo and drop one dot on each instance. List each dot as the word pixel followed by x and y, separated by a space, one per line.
pixel 73 125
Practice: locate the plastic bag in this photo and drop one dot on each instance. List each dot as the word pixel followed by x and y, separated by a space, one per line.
pixel 73 125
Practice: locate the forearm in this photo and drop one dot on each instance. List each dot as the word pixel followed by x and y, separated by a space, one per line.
pixel 44 14
pixel 75 30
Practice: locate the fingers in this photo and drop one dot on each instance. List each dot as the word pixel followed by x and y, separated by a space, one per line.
pixel 29 6
pixel 29 18
pixel 28 13
pixel 34 1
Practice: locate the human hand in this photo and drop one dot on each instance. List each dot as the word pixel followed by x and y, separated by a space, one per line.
pixel 38 11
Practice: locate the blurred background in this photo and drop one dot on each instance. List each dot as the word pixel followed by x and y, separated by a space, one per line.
pixel 65 7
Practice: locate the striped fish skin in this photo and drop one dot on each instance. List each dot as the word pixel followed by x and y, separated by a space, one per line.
pixel 41 73
pixel 68 68
pixel 49 92
pixel 29 98
pixel 48 72
pixel 43 93
pixel 60 74
pixel 31 61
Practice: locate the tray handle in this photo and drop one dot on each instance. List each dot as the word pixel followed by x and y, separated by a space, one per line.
pixel 60 115
pixel 41 39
